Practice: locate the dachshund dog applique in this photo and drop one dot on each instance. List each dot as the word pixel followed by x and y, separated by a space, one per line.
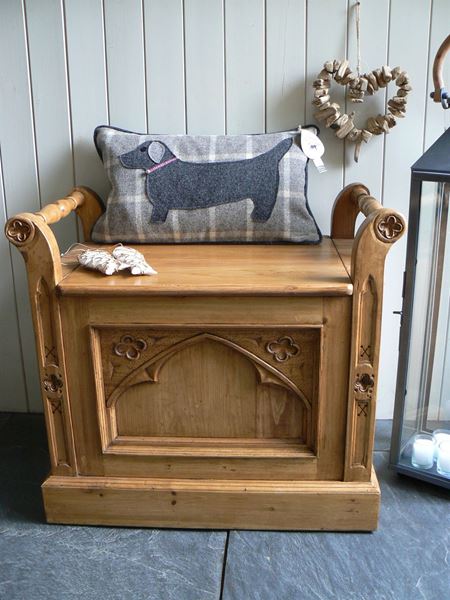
pixel 175 184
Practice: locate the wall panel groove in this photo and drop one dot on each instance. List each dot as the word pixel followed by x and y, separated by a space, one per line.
pixel 197 66
pixel 285 64
pixel 385 137
pixel 166 104
pixel 144 54
pixel 105 57
pixel 12 373
pixel 403 148
pixel 30 84
pixel 204 61
pixel 245 42
pixel 21 192
pixel 51 107
pixel 87 87
pixel 69 104
pixel 125 64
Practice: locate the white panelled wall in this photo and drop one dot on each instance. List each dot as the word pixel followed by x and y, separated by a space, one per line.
pixel 195 66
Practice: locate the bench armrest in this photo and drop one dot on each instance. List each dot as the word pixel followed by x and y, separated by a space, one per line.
pixel 31 233
pixel 376 235
pixel 83 200
pixel 353 199
pixel 374 238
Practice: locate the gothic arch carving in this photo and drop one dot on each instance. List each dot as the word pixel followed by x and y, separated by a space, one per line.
pixel 150 370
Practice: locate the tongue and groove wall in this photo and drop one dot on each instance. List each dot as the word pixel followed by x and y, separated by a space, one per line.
pixel 195 66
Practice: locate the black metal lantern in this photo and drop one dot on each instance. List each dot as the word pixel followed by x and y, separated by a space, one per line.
pixel 422 405
pixel 421 431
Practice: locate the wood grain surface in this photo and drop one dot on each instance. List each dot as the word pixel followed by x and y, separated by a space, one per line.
pixel 224 269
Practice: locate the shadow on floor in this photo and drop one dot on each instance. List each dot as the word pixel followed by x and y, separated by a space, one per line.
pixel 408 557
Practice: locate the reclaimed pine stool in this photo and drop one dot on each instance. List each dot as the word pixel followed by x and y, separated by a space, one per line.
pixel 236 389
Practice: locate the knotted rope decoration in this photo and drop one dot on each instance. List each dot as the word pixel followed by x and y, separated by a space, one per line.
pixel 358 86
pixel 109 263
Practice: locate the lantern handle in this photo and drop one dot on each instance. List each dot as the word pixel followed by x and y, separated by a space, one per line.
pixel 440 94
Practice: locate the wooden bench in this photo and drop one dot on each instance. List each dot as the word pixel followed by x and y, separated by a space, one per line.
pixel 235 389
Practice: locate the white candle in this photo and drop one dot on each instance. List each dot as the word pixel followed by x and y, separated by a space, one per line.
pixel 423 452
pixel 440 435
pixel 443 459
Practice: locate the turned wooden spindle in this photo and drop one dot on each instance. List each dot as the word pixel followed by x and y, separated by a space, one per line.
pixel 438 78
pixel 367 204
pixel 353 199
pixel 88 205
pixel 54 212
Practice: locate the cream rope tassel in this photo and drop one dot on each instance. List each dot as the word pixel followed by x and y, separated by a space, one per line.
pixel 129 258
pixel 121 258
pixel 99 260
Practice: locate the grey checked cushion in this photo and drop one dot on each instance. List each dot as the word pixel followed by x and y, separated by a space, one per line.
pixel 179 188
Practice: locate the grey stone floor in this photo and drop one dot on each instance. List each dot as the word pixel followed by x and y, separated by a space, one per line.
pixel 408 557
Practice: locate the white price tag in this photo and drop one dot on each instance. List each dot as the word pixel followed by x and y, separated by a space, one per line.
pixel 313 148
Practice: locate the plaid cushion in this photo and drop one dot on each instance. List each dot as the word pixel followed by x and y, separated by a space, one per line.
pixel 220 213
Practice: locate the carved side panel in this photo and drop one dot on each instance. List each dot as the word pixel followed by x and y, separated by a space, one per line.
pixel 363 391
pixel 46 330
pixel 363 378
pixel 368 304
pixel 52 378
pixel 35 240
pixel 52 385
pixel 381 228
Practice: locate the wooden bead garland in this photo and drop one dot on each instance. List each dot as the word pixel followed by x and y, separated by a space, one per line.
pixel 359 85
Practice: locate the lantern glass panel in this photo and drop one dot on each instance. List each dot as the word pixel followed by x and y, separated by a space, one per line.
pixel 427 389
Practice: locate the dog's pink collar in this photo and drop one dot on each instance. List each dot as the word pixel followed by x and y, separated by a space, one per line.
pixel 163 164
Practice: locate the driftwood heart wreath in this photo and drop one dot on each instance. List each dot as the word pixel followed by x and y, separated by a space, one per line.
pixel 359 85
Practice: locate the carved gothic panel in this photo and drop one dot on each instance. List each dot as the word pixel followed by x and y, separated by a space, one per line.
pixel 207 389
pixel 145 344
pixel 221 383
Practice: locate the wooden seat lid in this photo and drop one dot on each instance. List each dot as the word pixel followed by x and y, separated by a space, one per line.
pixel 219 269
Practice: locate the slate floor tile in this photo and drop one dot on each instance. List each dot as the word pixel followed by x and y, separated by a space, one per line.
pixel 43 562
pixel 21 464
pixel 46 562
pixel 408 557
pixel 23 449
pixel 4 418
pixel 383 432
pixel 27 430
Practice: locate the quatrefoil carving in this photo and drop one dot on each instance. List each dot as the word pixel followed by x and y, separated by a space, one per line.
pixel 19 231
pixel 389 228
pixel 53 383
pixel 364 383
pixel 283 348
pixel 130 347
